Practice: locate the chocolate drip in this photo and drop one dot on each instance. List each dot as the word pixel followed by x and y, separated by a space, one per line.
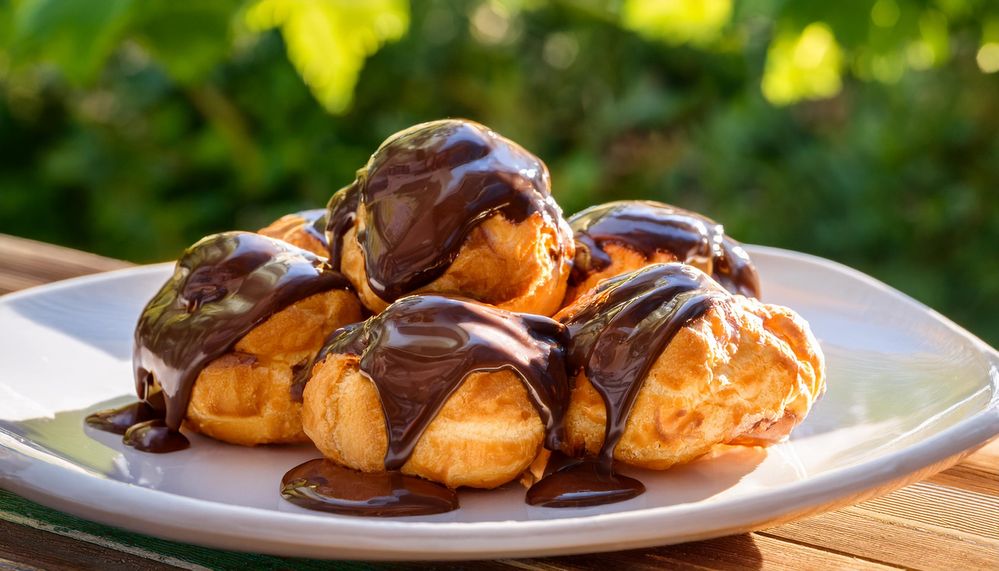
pixel 222 287
pixel 155 436
pixel 419 350
pixel 425 189
pixel 615 336
pixel 325 486
pixel 649 227
pixel 119 420
pixel 341 212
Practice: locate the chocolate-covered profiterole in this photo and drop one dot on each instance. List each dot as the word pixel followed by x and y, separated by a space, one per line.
pixel 425 189
pixel 649 227
pixel 615 337
pixel 222 287
pixel 417 353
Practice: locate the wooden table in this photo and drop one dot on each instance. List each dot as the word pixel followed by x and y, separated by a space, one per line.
pixel 949 521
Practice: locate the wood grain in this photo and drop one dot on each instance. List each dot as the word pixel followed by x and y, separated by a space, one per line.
pixel 23 547
pixel 26 263
pixel 900 540
pixel 747 551
pixel 949 521
pixel 978 473
pixel 24 525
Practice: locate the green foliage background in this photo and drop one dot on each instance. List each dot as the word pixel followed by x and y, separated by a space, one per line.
pixel 133 128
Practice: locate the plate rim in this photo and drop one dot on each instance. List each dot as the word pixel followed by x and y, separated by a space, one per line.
pixel 301 534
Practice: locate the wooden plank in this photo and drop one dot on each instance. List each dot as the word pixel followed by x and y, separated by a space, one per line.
pixel 942 506
pixel 25 525
pixel 746 551
pixel 977 473
pixel 878 537
pixel 24 547
pixel 26 263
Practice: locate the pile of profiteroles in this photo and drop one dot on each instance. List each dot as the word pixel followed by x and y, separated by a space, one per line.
pixel 440 325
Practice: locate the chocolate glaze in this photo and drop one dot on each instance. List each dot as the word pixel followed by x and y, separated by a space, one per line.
pixel 419 350
pixel 425 189
pixel 649 227
pixel 222 287
pixel 325 486
pixel 341 213
pixel 616 334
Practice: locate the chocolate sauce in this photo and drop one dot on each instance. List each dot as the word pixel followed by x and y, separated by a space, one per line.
pixel 580 483
pixel 155 436
pixel 649 227
pixel 222 287
pixel 615 336
pixel 341 213
pixel 419 350
pixel 425 189
pixel 325 486
pixel 119 420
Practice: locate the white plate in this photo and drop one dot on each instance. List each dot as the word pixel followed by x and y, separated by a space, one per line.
pixel 909 394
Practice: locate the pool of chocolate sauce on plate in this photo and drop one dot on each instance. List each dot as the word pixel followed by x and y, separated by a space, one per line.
pixel 425 189
pixel 649 227
pixel 615 336
pixel 323 485
pixel 221 288
pixel 578 482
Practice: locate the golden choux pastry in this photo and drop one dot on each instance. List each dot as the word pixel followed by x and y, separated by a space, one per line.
pixel 623 236
pixel 622 260
pixel 450 390
pixel 733 370
pixel 486 434
pixel 503 263
pixel 246 396
pixel 305 229
pixel 451 207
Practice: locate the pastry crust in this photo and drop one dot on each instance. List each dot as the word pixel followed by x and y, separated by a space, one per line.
pixel 745 372
pixel 292 229
pixel 244 397
pixel 623 260
pixel 514 266
pixel 486 434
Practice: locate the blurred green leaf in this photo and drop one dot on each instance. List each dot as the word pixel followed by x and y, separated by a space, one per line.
pixel 188 38
pixel 678 21
pixel 75 35
pixel 803 65
pixel 328 40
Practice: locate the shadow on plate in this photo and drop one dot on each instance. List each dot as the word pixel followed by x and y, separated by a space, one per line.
pixel 101 313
